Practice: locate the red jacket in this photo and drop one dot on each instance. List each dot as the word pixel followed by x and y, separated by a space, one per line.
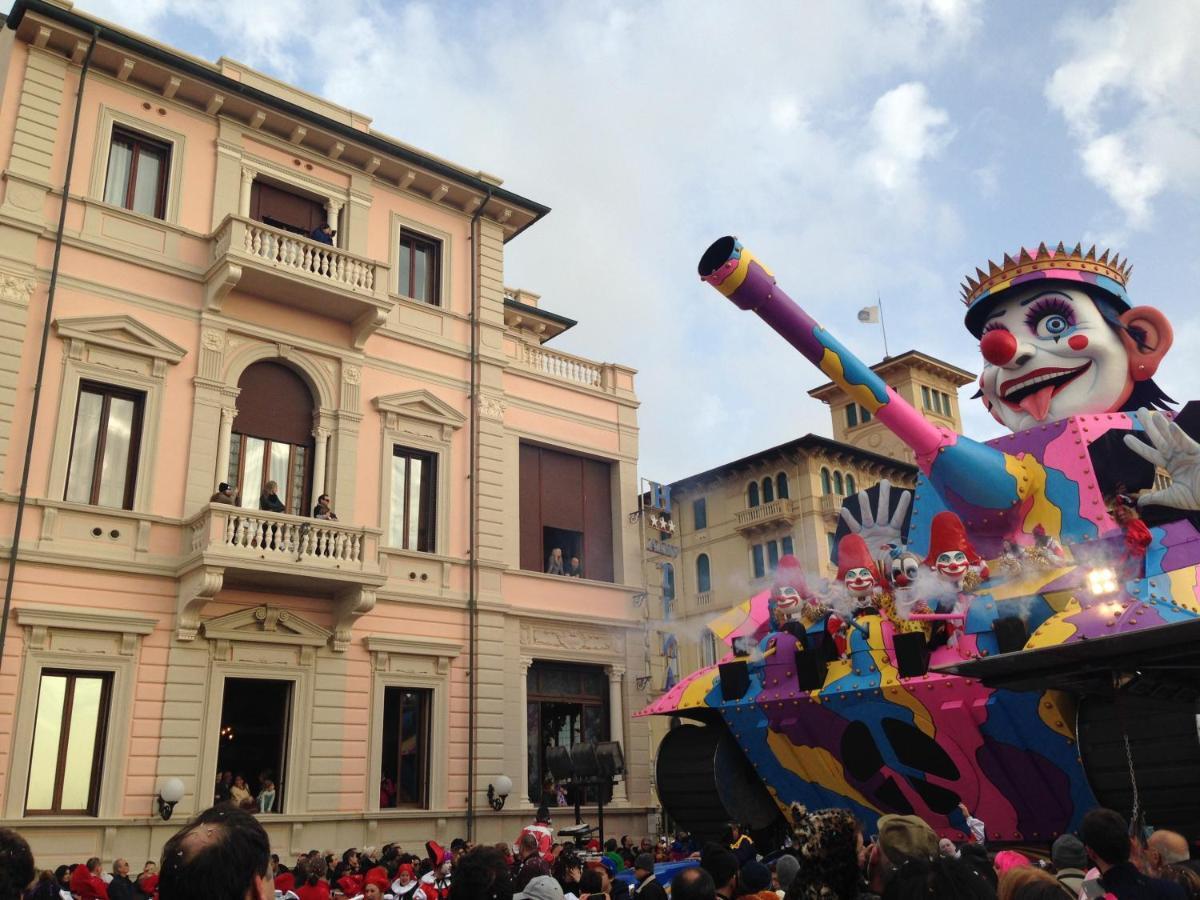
pixel 318 891
pixel 87 886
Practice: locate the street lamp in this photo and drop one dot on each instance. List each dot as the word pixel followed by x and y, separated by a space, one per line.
pixel 498 792
pixel 170 792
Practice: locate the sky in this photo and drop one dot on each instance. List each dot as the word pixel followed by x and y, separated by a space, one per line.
pixel 860 149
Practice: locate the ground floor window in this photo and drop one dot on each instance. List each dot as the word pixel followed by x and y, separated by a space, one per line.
pixel 256 715
pixel 68 743
pixel 566 704
pixel 405 751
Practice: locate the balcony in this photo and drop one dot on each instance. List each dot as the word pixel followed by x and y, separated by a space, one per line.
pixel 766 515
pixel 704 598
pixel 299 272
pixel 573 370
pixel 227 546
pixel 830 506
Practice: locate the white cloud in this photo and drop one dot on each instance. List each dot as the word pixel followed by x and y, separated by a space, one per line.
pixel 908 131
pixel 1127 92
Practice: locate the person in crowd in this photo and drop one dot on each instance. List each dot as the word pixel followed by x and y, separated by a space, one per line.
pixel 221 791
pixel 722 865
pixel 1185 877
pixel 786 868
pixel 121 886
pixel 224 494
pixel 86 881
pixel 544 887
pixel 1164 848
pixel 269 500
pixel 436 882
pixel 542 831
pixel 372 891
pixel 937 878
pixel 694 883
pixel 266 796
pixel 740 844
pixel 574 568
pixel 530 863
pixel 1028 883
pixel 554 565
pixel 316 885
pixel 146 885
pixel 754 882
pixel 44 888
pixel 975 827
pixel 62 877
pixel 648 887
pixel 1105 834
pixel 323 233
pixel 627 850
pixel 16 865
pixel 1070 862
pixel 828 844
pixel 222 854
pixel 324 509
pixel 975 857
pixel 592 885
pixel 568 869
pixel 1007 860
pixel 481 874
pixel 346 875
pixel 405 886
pixel 239 794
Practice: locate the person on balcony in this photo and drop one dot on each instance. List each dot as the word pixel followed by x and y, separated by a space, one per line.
pixel 554 565
pixel 574 568
pixel 269 500
pixel 323 233
pixel 324 509
pixel 224 494
pixel 266 796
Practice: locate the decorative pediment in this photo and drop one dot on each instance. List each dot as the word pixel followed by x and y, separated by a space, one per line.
pixel 418 406
pixel 439 651
pixel 121 333
pixel 267 624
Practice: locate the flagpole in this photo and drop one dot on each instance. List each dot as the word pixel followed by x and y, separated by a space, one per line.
pixel 882 325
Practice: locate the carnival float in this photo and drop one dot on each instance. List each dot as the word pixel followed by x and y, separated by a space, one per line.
pixel 1018 637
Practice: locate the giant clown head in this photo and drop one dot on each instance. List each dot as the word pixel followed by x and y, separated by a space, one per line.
pixel 1059 338
pixel 856 569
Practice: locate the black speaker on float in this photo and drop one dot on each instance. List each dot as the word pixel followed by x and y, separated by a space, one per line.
pixel 810 667
pixel 583 756
pixel 735 680
pixel 558 761
pixel 1011 633
pixel 912 654
pixel 611 759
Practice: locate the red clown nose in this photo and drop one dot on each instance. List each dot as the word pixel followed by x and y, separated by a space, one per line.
pixel 998 346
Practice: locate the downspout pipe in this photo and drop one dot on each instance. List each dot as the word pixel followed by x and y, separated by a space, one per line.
pixel 23 494
pixel 473 524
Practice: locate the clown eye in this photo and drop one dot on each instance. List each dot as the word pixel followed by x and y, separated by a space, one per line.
pixel 1050 318
pixel 910 568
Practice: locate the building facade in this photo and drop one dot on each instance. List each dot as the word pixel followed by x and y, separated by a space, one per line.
pixel 370 674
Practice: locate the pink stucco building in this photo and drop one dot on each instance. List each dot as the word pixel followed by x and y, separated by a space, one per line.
pixel 380 669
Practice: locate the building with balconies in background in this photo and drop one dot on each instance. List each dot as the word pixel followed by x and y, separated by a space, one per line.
pixel 381 666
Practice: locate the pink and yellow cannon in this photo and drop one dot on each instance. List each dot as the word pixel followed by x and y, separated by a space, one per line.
pixel 1019 642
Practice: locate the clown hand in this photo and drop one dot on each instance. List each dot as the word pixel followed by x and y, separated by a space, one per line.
pixel 877 528
pixel 1171 449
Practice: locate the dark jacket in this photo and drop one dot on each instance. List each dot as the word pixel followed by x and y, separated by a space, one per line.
pixel 121 888
pixel 271 503
pixel 531 867
pixel 1127 883
pixel 317 234
pixel 650 889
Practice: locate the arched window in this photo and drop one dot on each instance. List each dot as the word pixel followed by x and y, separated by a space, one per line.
pixel 838 487
pixel 850 488
pixel 703 574
pixel 781 486
pixel 826 484
pixel 768 489
pixel 272 437
pixel 752 494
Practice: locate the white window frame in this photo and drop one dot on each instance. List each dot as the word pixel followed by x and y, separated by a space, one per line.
pixel 103 146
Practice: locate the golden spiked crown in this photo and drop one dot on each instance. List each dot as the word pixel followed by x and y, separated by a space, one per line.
pixel 1110 275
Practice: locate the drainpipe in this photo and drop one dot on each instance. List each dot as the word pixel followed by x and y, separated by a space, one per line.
pixel 23 494
pixel 473 523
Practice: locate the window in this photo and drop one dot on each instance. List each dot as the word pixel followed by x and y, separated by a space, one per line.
pixel 829 540
pixel 285 209
pixel 272 437
pixel 946 403
pixel 781 486
pixel 768 490
pixel 68 743
pixel 565 497
pixel 699 514
pixel 772 555
pixel 405 752
pixel 565 705
pixel 104 446
pixel 759 562
pixel 256 714
pixel 851 415
pixel 864 415
pixel 838 486
pixel 420 267
pixel 668 589
pixel 708 649
pixel 787 546
pixel 926 401
pixel 703 574
pixel 752 494
pixel 826 482
pixel 137 173
pixel 414 500
pixel 850 486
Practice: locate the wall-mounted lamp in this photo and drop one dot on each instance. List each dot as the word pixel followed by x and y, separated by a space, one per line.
pixel 170 792
pixel 498 792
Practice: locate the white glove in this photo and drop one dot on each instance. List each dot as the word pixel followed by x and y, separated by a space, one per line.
pixel 876 528
pixel 1170 448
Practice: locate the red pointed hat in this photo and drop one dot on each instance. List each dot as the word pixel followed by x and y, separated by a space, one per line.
pixel 789 574
pixel 946 533
pixel 853 553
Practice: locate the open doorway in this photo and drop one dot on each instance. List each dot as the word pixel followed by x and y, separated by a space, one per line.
pixel 405 750
pixel 255 718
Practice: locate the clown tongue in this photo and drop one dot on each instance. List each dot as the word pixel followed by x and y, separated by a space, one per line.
pixel 1037 404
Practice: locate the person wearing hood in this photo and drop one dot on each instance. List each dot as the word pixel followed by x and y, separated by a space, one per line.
pixel 405 886
pixel 436 882
pixel 648 887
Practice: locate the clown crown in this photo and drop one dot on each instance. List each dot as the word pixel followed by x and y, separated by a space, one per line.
pixel 1059 263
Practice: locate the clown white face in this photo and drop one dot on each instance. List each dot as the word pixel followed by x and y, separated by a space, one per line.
pixel 1050 354
pixel 859 582
pixel 952 564
pixel 904 569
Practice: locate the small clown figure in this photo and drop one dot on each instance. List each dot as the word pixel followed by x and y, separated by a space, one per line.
pixel 858 574
pixel 951 554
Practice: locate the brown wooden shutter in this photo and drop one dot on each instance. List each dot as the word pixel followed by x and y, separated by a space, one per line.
pixel 274 403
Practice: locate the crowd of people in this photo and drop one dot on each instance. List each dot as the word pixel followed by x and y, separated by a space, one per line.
pixel 224 854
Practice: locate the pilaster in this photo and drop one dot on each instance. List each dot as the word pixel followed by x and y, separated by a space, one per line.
pixel 15 291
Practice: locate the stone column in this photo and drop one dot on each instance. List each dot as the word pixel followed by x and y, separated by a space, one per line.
pixel 616 721
pixel 244 197
pixel 224 437
pixel 521 781
pixel 333 209
pixel 318 481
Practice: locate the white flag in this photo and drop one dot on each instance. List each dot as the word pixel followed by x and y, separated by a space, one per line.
pixel 868 314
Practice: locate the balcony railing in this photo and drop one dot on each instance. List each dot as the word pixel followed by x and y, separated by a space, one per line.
pixel 704 598
pixel 560 365
pixel 830 505
pixel 765 515
pixel 297 271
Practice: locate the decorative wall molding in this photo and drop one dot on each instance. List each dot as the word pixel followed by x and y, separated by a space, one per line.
pixel 267 624
pixel 418 406
pixel 570 638
pixel 492 407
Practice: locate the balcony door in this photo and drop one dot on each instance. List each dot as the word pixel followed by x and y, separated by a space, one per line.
pixel 272 437
pixel 289 210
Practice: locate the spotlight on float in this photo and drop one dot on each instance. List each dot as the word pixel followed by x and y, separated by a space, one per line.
pixel 1102 582
pixel 170 792
pixel 498 792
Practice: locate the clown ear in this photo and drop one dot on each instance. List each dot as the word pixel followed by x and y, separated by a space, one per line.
pixel 1147 336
